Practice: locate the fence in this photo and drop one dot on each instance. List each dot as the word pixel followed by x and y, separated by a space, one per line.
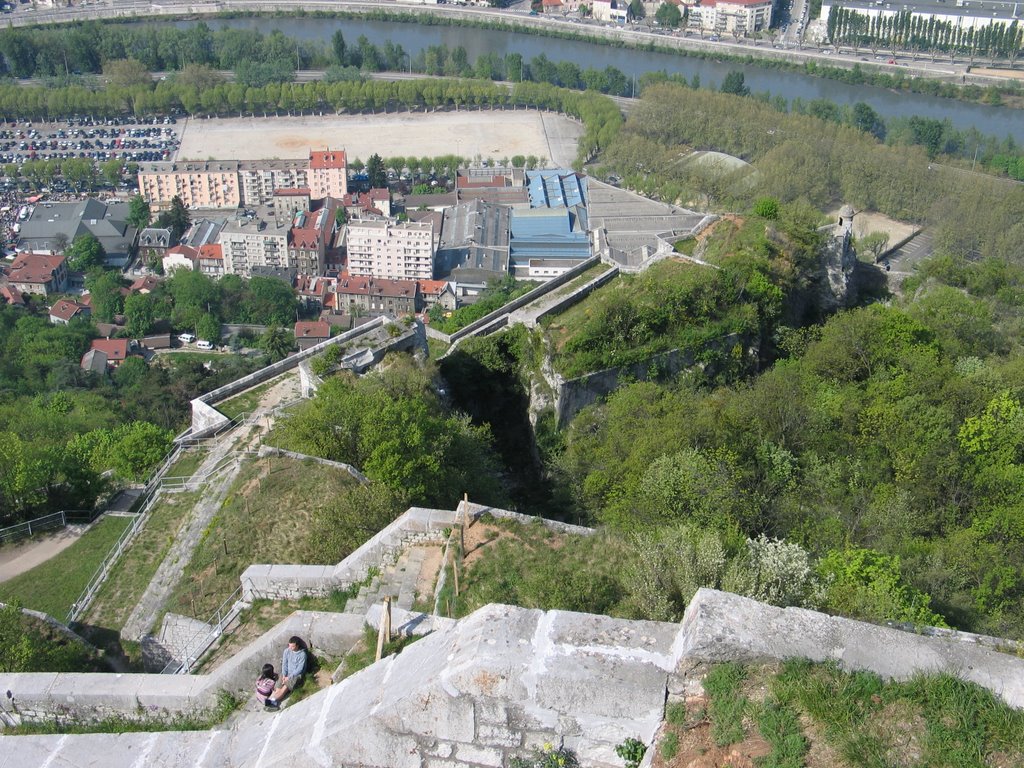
pixel 50 522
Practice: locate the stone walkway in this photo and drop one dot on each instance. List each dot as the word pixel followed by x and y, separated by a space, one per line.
pixel 399 580
pixel 246 436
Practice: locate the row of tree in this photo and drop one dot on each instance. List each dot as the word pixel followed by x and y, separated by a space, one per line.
pixel 910 31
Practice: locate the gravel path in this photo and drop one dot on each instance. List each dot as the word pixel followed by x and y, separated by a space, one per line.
pixel 15 559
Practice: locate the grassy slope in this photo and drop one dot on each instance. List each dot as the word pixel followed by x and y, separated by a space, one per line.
pixel 802 714
pixel 132 574
pixel 264 519
pixel 53 586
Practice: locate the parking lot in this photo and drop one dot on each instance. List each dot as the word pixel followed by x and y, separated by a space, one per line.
pixel 90 138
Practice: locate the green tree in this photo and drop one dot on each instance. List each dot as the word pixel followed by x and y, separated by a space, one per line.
pixel 140 314
pixel 277 342
pixel 376 172
pixel 138 446
pixel 176 219
pixel 636 10
pixel 138 212
pixel 79 173
pixel 668 15
pixel 865 584
pixel 104 287
pixel 126 73
pixel 208 328
pixel 735 84
pixel 338 47
pixel 86 253
pixel 112 170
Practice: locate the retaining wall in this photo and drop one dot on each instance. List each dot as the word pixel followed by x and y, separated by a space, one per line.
pixel 269 450
pixel 416 525
pixel 84 697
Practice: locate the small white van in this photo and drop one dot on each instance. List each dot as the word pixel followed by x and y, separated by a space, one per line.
pixel 204 344
pixel 186 338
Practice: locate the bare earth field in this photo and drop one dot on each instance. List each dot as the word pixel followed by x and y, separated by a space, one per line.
pixel 493 134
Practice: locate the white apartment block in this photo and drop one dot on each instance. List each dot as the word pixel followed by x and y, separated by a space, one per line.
pixel 739 17
pixel 212 184
pixel 389 249
pixel 234 183
pixel 259 183
pixel 254 242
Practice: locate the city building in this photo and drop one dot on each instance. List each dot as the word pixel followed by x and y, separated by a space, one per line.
pixel 249 183
pixel 376 296
pixel 153 243
pixel 203 232
pixel 309 333
pixel 66 310
pixel 51 227
pixel 254 241
pixel 180 257
pixel 210 260
pixel 327 174
pixel 391 249
pixel 545 242
pixel 474 248
pixel 310 235
pixel 291 200
pixel 439 292
pixel 610 10
pixel 38 273
pixel 731 17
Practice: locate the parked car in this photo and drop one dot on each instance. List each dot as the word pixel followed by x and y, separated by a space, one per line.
pixel 204 344
pixel 186 338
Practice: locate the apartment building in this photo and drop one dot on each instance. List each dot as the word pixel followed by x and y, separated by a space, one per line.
pixel 310 235
pixel 209 184
pixel 327 174
pixel 249 183
pixel 254 241
pixel 390 249
pixel 739 17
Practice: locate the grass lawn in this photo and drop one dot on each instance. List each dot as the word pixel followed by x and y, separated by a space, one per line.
pixel 187 463
pixel 804 714
pixel 264 519
pixel 53 586
pixel 135 569
pixel 247 401
pixel 436 347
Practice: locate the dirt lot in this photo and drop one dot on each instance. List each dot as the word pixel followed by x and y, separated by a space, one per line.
pixel 489 134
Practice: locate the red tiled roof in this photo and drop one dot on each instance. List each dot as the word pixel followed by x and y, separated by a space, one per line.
pixel 331 158
pixel 379 194
pixel 11 296
pixel 552 3
pixel 312 329
pixel 292 192
pixel 211 251
pixel 116 350
pixel 183 250
pixel 147 283
pixel 432 287
pixel 712 3
pixel 34 268
pixel 304 237
pixel 66 309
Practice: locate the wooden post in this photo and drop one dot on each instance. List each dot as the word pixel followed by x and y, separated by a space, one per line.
pixel 385 627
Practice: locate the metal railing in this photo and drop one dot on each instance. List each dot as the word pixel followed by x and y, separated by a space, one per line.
pixel 30 527
pixel 100 576
pixel 50 522
pixel 201 642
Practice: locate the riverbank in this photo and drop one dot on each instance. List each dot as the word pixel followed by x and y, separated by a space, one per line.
pixel 939 78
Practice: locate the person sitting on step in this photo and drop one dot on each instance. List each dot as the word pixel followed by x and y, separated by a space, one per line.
pixel 293 667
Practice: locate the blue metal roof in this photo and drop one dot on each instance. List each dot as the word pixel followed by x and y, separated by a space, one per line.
pixel 541 233
pixel 556 188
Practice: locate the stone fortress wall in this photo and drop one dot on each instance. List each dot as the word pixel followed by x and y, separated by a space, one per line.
pixel 474 692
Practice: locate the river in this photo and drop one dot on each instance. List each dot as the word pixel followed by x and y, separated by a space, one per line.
pixel 996 121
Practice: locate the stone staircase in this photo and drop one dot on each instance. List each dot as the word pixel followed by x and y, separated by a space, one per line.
pixel 398 580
